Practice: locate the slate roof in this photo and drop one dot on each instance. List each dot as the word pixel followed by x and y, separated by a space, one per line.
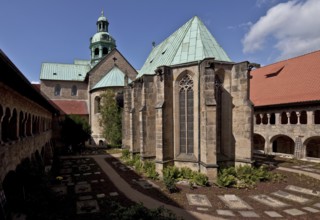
pixel 191 42
pixel 64 72
pixel 72 107
pixel 113 78
pixel 294 80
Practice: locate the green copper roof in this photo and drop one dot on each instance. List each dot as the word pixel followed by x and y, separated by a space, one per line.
pixel 64 72
pixel 191 42
pixel 115 77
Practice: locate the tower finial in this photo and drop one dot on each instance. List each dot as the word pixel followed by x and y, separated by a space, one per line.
pixel 102 14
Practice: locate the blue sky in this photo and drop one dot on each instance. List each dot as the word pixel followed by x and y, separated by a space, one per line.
pixel 261 31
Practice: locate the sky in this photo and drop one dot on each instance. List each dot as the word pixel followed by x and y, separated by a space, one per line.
pixel 260 31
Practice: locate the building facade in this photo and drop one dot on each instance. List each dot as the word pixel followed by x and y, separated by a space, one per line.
pixel 287 108
pixel 27 134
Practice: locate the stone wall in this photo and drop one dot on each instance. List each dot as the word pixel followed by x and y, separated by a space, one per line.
pixel 26 140
pixel 48 86
pixel 222 114
pixel 106 64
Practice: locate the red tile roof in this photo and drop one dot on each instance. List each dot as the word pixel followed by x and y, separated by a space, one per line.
pixel 289 81
pixel 72 107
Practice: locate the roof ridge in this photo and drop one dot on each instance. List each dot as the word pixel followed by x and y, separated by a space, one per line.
pixel 292 58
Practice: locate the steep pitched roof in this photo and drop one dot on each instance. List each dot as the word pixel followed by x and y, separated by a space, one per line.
pixel 72 107
pixel 289 81
pixel 115 77
pixel 191 42
pixel 65 72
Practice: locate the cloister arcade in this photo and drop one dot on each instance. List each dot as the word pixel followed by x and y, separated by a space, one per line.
pixel 291 133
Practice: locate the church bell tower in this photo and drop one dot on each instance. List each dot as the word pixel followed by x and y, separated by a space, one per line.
pixel 101 43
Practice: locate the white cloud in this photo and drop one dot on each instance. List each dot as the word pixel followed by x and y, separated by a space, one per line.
pixel 35 82
pixel 260 3
pixel 293 25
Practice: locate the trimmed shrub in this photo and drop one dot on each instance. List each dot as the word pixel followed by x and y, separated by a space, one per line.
pixel 149 168
pixel 200 179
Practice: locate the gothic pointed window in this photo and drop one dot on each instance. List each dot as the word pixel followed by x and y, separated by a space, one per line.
pixel 57 90
pixel 186 114
pixel 74 90
pixel 97 104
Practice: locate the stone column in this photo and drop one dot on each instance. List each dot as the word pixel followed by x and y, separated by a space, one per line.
pixel 210 146
pixel 268 116
pixel 242 114
pixel 298 117
pixel 298 148
pixel 310 117
pixel 288 117
pixel 278 118
pixel 160 154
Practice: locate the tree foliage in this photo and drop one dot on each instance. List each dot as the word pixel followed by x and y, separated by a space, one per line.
pixel 75 130
pixel 110 118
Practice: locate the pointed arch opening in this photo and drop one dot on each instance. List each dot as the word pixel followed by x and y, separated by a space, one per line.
pixel 97 104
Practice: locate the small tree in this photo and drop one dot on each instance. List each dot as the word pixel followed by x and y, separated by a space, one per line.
pixel 110 118
pixel 75 130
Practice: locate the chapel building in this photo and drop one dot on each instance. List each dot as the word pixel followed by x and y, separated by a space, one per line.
pixel 189 105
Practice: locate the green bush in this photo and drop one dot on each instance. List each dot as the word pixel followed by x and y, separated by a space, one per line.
pixel 149 168
pixel 227 177
pixel 138 166
pixel 200 179
pixel 138 211
pixel 245 176
pixel 186 173
pixel 170 177
pixel 125 154
pixel 131 162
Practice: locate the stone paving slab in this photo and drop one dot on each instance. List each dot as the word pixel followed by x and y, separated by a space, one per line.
pixel 291 197
pixel 85 197
pixel 82 188
pixel 273 214
pixel 249 214
pixel 303 190
pixel 294 212
pixel 198 200
pixel 101 195
pixel 66 171
pixel 269 201
pixel 234 202
pixel 87 206
pixel 225 212
pixel 310 209
pixel 113 194
pixel 59 190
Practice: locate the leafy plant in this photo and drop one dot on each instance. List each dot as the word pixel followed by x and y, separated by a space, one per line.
pixel 227 177
pixel 186 173
pixel 200 179
pixel 245 176
pixel 125 154
pixel 149 168
pixel 110 120
pixel 170 177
